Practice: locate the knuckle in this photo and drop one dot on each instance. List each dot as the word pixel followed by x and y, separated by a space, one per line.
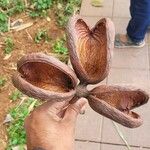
pixel 74 108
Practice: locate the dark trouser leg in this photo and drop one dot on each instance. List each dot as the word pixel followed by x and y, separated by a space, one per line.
pixel 140 19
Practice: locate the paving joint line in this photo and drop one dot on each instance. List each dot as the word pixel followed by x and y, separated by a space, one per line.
pixel 140 69
pixel 107 143
pixel 105 16
pixel 113 8
pixel 97 16
pixel 134 68
pixel 102 123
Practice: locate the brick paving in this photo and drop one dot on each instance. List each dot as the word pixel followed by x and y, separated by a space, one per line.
pixel 130 66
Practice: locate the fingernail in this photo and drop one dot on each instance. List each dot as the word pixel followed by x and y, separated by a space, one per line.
pixel 81 102
pixel 82 111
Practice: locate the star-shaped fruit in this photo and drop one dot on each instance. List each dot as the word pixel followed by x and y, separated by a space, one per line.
pixel 44 77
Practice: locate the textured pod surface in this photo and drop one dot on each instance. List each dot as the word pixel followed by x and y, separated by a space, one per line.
pixel 45 77
pixel 117 102
pixel 90 49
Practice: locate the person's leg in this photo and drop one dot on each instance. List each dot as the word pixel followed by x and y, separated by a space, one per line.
pixel 137 27
pixel 140 20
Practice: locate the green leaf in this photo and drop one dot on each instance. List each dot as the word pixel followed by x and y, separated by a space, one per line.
pixel 16 95
pixel 9 45
pixel 3 22
pixel 16 132
pixel 59 47
pixel 41 35
pixel 2 81
pixel 65 9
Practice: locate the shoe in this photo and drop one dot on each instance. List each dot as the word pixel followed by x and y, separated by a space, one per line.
pixel 97 3
pixel 128 44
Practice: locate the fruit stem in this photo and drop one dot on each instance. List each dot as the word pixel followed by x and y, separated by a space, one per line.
pixel 81 90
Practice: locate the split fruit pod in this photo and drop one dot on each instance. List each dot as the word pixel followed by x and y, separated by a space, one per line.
pixel 90 49
pixel 44 77
pixel 117 103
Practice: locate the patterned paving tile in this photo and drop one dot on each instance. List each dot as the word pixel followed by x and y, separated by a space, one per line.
pixel 116 147
pixel 87 146
pixel 89 126
pixel 131 58
pixel 133 77
pixel 135 137
pixel 129 67
pixel 121 24
pixel 121 8
pixel 139 136
pixel 88 10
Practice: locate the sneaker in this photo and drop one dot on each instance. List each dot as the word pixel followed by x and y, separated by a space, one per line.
pixel 127 43
pixel 97 3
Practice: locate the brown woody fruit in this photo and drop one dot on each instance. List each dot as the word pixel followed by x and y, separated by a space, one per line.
pixel 117 102
pixel 47 78
pixel 90 49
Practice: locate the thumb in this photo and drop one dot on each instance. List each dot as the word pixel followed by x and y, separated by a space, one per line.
pixel 74 109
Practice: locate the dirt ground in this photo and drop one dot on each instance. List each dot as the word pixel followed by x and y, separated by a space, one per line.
pixel 24 44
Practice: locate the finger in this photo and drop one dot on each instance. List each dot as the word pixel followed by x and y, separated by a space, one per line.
pixel 53 107
pixel 74 109
pixel 82 111
pixel 58 107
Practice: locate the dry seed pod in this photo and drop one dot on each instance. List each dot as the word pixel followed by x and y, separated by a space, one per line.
pixel 45 77
pixel 90 49
pixel 117 102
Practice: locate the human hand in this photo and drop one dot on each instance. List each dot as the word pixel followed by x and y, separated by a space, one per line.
pixel 51 126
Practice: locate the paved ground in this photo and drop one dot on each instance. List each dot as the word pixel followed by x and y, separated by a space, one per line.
pixel 131 66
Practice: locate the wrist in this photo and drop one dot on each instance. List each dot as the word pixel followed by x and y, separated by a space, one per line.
pixel 55 148
pixel 38 148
